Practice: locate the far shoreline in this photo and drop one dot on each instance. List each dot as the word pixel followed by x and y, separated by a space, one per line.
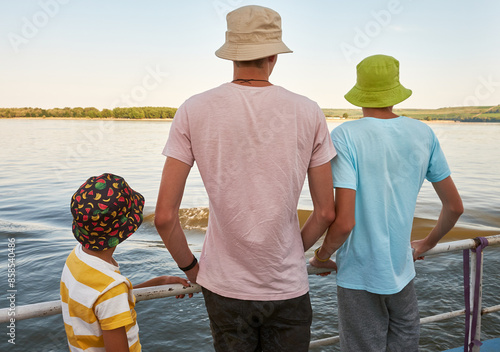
pixel 82 118
pixel 158 113
pixel 331 119
pixel 328 119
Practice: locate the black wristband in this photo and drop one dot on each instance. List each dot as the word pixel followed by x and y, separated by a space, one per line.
pixel 190 266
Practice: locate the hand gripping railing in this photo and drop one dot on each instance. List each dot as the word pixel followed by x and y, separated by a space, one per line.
pixel 44 309
pixel 54 307
pixel 473 291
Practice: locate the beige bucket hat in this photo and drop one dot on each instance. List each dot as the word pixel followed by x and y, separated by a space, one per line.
pixel 253 32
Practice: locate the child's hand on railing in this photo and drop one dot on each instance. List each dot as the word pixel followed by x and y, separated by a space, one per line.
pixel 166 280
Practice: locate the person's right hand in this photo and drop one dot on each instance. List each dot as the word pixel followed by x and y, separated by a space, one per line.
pixel 420 247
pixel 330 264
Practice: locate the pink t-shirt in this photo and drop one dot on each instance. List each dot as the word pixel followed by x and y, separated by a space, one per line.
pixel 253 147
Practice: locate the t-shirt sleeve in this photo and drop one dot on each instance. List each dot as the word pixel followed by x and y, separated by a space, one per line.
pixel 343 165
pixel 179 140
pixel 323 150
pixel 438 168
pixel 112 309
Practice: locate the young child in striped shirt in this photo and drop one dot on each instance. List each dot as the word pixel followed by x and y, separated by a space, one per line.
pixel 97 301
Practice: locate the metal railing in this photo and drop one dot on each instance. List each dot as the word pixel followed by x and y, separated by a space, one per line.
pixel 444 248
pixel 142 294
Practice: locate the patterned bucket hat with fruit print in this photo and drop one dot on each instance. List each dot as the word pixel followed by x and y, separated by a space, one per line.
pixel 106 211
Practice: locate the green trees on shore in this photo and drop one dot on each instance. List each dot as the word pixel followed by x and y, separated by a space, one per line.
pixel 458 114
pixel 146 112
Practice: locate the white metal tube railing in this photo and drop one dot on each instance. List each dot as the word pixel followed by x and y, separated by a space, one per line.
pixel 54 307
pixel 442 248
pixel 44 309
pixel 324 342
pixel 442 316
pixel 490 310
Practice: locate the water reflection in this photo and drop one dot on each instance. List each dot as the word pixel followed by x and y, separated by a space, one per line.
pixel 47 160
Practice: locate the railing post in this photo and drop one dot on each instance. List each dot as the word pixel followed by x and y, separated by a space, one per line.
pixel 473 283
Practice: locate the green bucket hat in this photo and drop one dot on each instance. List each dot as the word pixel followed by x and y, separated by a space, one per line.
pixel 377 84
pixel 106 211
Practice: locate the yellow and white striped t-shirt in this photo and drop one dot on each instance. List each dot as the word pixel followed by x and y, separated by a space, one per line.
pixel 96 297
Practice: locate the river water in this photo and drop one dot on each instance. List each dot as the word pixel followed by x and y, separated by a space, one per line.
pixel 44 161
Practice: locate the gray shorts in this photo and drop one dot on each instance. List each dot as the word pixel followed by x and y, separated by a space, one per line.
pixel 254 326
pixel 370 322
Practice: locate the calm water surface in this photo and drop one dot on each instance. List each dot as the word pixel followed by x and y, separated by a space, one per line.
pixel 45 161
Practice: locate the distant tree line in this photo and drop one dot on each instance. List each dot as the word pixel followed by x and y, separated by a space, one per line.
pixel 461 118
pixel 147 112
pixel 481 118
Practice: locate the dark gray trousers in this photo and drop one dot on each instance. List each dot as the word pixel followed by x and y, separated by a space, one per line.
pixel 370 322
pixel 255 326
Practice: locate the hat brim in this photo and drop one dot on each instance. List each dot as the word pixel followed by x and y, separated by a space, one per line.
pixel 101 241
pixel 247 52
pixel 377 99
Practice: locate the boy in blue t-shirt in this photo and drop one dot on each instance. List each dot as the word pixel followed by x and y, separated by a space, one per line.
pixel 381 163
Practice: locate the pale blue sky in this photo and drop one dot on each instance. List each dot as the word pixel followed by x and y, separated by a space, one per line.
pixel 107 53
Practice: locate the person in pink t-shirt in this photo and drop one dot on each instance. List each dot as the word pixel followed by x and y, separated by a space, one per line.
pixel 253 143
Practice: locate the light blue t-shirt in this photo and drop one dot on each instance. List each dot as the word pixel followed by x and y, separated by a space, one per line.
pixel 386 162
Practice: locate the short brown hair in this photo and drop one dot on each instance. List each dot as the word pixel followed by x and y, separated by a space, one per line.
pixel 259 63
